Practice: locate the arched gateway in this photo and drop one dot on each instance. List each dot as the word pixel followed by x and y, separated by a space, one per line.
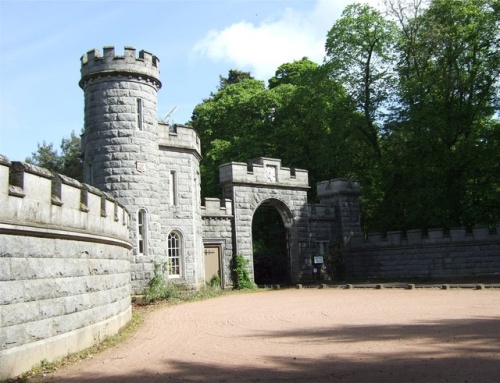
pixel 264 182
pixel 153 169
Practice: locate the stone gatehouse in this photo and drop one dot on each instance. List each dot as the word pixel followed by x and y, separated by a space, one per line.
pixel 152 168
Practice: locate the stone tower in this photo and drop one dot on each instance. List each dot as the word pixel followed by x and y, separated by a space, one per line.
pixel 343 196
pixel 142 162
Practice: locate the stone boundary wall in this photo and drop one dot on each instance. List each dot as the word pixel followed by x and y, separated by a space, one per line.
pixel 436 253
pixel 64 266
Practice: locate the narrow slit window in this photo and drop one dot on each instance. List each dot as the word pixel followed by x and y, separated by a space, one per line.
pixel 141 232
pixel 173 188
pixel 139 114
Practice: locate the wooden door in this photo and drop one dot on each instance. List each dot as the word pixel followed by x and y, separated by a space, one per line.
pixel 212 262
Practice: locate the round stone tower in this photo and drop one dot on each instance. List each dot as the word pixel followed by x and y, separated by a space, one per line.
pixel 120 141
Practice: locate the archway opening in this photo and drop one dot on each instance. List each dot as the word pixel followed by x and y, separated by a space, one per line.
pixel 270 246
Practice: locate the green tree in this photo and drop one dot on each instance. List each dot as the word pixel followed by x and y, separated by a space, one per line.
pixel 360 54
pixel 297 73
pixel 68 162
pixel 71 161
pixel 46 157
pixel 304 118
pixel 234 77
pixel 226 122
pixel 441 140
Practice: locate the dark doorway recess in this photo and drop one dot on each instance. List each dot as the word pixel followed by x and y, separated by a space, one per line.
pixel 270 250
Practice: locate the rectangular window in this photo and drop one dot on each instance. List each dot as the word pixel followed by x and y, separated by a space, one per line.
pixel 173 188
pixel 139 114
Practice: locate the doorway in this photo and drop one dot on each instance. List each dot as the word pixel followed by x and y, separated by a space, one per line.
pixel 270 247
pixel 212 265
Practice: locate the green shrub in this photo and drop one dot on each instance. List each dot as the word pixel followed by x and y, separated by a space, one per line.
pixel 241 277
pixel 159 289
pixel 214 281
pixel 335 262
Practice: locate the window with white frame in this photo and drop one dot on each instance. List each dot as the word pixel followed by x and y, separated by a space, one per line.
pixel 141 232
pixel 174 254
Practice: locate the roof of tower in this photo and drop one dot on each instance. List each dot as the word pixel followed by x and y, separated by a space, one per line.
pixel 145 65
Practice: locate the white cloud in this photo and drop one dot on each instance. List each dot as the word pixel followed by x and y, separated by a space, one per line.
pixel 262 47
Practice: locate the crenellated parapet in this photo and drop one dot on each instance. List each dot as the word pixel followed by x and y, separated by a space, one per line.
pixel 263 171
pixel 35 197
pixel 217 208
pixel 179 137
pixel 144 67
pixel 339 186
pixel 435 253
pixel 416 238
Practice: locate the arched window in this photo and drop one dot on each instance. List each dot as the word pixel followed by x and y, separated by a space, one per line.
pixel 174 255
pixel 142 232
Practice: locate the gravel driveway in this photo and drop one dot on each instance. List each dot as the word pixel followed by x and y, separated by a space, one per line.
pixel 310 335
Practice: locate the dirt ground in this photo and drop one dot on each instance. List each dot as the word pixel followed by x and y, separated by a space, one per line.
pixel 310 335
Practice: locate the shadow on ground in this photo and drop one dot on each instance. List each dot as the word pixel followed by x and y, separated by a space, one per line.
pixel 456 351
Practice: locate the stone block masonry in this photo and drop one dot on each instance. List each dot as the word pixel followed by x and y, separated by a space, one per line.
pixel 217 230
pixel 435 254
pixel 64 266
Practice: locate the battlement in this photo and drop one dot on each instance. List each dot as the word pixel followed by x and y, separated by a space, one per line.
pixel 146 65
pixel 326 189
pixel 419 238
pixel 178 136
pixel 263 171
pixel 218 208
pixel 35 197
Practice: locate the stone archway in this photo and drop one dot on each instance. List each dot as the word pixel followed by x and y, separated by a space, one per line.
pixel 264 181
pixel 271 225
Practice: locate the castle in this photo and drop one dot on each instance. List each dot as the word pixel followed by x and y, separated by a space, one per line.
pixel 152 168
pixel 72 254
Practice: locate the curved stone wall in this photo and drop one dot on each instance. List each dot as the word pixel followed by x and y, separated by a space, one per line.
pixel 64 266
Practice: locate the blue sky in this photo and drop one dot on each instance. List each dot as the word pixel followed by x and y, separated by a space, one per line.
pixel 41 43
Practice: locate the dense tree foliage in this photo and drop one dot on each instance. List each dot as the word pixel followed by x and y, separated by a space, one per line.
pixel 360 54
pixel 405 102
pixel 68 162
pixel 441 142
pixel 304 118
